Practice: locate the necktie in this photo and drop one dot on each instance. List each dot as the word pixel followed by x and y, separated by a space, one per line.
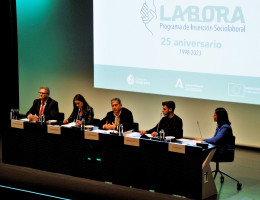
pixel 41 109
pixel 117 120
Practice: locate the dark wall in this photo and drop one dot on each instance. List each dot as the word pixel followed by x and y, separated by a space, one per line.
pixel 9 75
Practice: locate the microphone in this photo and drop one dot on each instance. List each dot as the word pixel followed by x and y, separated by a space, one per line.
pixel 202 143
pixel 199 129
pixel 78 114
pixel 161 116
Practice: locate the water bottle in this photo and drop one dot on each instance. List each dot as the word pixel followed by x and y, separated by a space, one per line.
pixel 162 135
pixel 16 113
pixel 83 124
pixel 12 114
pixel 120 130
pixel 42 119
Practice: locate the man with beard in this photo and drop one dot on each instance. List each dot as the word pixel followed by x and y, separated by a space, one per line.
pixel 170 123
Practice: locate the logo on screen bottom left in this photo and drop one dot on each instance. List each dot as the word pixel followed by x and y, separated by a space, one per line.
pixel 130 79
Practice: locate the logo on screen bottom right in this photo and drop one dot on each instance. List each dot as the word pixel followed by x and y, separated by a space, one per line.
pixel 237 90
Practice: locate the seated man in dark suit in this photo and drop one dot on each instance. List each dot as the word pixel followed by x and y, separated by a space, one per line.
pixel 45 105
pixel 118 115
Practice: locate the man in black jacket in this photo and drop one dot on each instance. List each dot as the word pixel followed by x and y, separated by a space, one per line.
pixel 118 115
pixel 170 123
pixel 45 105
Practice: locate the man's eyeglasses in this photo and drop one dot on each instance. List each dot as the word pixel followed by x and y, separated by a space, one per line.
pixel 43 93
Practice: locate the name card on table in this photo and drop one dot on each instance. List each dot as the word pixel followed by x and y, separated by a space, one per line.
pixel 91 135
pixel 17 124
pixel 178 148
pixel 54 129
pixel 132 141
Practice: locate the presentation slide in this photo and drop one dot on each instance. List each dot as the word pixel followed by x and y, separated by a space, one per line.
pixel 198 49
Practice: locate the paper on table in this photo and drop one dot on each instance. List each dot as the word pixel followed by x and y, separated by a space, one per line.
pixel 189 141
pixel 69 124
pixel 127 132
pixel 24 119
pixel 104 131
pixel 149 135
pixel 133 134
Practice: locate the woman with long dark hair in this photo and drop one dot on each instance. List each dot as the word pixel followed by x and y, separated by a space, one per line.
pixel 81 110
pixel 223 136
pixel 224 130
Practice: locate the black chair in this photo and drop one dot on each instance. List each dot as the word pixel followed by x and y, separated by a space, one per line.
pixel 226 155
pixel 136 127
pixel 60 117
pixel 96 122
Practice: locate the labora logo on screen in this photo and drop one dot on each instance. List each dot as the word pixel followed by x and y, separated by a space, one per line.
pixel 151 16
pixel 148 15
